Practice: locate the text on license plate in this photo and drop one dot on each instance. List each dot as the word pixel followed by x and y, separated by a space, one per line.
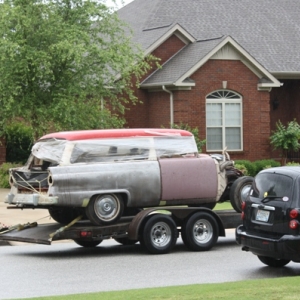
pixel 262 215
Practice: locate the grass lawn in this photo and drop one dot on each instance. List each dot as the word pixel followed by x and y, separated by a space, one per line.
pixel 286 288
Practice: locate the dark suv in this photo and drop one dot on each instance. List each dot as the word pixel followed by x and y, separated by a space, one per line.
pixel 271 217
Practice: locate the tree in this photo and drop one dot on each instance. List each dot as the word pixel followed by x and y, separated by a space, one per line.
pixel 65 65
pixel 286 138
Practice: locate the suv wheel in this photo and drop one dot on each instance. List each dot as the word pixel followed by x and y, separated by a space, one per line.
pixel 273 262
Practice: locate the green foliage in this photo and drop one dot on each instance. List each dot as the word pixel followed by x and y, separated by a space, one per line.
pixel 242 168
pixel 250 167
pixel 286 138
pixel 4 174
pixel 19 140
pixel 195 132
pixel 65 65
pixel 292 163
pixel 264 164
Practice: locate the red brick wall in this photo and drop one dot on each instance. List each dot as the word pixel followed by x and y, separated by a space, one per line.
pixel 189 106
pixel 2 151
pixel 288 97
pixel 138 115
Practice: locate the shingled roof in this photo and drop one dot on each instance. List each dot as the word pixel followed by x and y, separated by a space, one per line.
pixel 268 30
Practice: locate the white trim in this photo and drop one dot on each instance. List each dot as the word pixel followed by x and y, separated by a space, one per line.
pixel 246 58
pixel 286 75
pixel 179 31
pixel 223 101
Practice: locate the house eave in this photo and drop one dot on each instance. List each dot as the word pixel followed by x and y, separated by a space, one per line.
pixel 286 75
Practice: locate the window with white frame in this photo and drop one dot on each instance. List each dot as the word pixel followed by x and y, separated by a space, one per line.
pixel 224 121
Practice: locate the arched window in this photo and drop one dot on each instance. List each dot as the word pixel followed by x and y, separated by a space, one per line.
pixel 224 121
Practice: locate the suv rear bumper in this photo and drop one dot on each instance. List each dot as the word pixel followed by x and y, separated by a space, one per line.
pixel 285 247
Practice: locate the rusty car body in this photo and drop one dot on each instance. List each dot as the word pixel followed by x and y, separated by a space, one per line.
pixel 104 174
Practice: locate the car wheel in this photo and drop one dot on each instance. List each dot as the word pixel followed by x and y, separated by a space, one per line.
pixel 125 241
pixel 239 191
pixel 159 234
pixel 64 215
pixel 200 232
pixel 88 244
pixel 273 262
pixel 105 209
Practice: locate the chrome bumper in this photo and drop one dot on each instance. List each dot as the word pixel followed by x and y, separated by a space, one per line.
pixel 30 199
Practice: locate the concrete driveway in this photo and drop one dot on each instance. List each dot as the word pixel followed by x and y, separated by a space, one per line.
pixel 20 216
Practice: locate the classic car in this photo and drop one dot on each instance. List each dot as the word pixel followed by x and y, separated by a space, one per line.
pixel 105 174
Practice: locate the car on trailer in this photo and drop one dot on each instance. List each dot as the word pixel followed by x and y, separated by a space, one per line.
pixel 103 175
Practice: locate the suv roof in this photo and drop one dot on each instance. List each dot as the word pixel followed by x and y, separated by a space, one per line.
pixel 285 170
pixel 114 133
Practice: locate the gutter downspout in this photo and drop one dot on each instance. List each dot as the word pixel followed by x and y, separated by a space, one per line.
pixel 171 105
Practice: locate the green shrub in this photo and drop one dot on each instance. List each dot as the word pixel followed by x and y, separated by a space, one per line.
pixel 292 163
pixel 251 169
pixel 19 140
pixel 4 174
pixel 265 164
pixel 242 168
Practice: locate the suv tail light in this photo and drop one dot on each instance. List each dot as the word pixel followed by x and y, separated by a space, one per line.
pixel 294 223
pixel 294 214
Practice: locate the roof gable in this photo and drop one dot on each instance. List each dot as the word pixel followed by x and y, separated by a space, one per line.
pixel 177 70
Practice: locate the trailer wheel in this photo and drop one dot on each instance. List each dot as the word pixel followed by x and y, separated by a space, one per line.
pixel 273 262
pixel 200 232
pixel 239 191
pixel 105 209
pixel 159 234
pixel 64 215
pixel 88 244
pixel 125 241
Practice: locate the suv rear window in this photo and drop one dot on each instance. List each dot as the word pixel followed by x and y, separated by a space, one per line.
pixel 272 184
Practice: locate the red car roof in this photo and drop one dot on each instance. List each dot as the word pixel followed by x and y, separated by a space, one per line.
pixel 114 133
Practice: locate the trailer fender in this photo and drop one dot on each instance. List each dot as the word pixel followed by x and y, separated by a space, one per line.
pixel 178 213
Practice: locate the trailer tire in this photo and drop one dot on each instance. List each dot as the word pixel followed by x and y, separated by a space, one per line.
pixel 239 190
pixel 273 262
pixel 200 232
pixel 105 209
pixel 159 235
pixel 64 215
pixel 88 244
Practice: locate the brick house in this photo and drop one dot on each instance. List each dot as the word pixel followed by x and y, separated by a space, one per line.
pixel 230 68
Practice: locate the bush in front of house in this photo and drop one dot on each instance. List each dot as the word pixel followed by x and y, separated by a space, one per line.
pixel 4 174
pixel 252 168
pixel 19 140
pixel 265 164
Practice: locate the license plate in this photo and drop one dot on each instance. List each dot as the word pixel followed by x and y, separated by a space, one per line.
pixel 262 215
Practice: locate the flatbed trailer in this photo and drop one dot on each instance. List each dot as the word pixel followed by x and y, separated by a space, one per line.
pixel 157 229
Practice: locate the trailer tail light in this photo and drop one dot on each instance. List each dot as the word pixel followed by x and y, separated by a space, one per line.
pixel 85 234
pixel 243 205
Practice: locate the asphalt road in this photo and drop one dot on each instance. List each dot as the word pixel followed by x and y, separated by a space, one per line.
pixel 65 268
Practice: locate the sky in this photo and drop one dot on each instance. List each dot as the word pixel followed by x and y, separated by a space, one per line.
pixel 119 3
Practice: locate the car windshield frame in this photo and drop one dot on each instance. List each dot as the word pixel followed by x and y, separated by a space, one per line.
pixel 64 152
